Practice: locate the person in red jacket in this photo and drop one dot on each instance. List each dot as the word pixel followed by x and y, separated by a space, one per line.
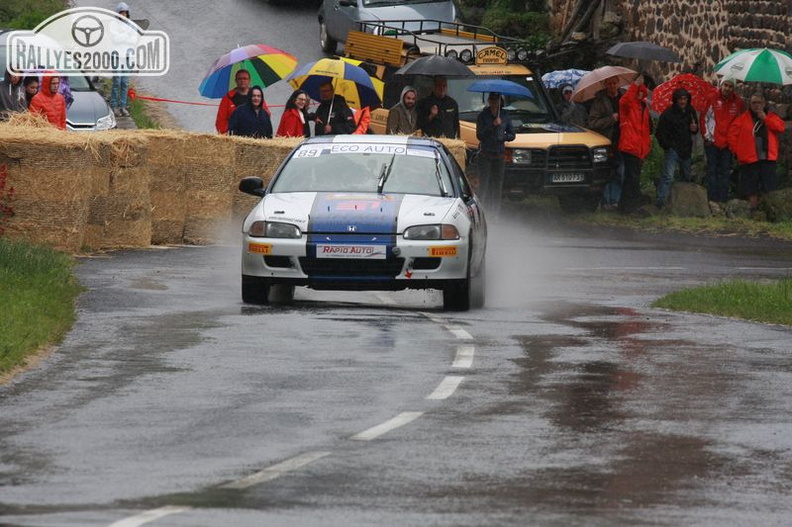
pixel 716 117
pixel 49 103
pixel 634 142
pixel 234 98
pixel 753 137
pixel 294 121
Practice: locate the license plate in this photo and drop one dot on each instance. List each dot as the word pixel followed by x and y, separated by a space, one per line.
pixel 568 178
pixel 368 252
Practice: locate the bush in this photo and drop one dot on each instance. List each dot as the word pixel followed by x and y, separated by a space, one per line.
pixel 27 14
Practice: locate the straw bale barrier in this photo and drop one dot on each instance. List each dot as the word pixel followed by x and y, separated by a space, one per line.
pixel 132 188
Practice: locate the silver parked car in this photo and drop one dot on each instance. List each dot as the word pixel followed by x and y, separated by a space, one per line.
pixel 337 17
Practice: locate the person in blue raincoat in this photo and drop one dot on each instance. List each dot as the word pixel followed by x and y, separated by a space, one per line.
pixel 251 119
pixel 493 130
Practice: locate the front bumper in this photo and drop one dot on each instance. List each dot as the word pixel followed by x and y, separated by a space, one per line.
pixel 407 264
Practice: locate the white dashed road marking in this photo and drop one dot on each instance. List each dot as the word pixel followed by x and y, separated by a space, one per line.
pixel 446 388
pixel 149 516
pixel 464 356
pixel 459 333
pixel 275 471
pixel 376 431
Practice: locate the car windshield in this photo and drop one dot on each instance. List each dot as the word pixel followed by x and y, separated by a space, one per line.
pixel 522 110
pixel 365 167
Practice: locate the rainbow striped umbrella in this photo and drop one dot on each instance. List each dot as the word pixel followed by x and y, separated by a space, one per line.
pixel 350 81
pixel 757 65
pixel 267 65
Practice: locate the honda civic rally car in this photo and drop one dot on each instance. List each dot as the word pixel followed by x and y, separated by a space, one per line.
pixel 362 213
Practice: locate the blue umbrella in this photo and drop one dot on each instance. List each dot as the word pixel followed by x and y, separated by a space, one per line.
pixel 555 79
pixel 501 86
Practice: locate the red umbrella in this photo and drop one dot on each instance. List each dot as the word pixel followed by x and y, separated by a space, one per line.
pixel 699 89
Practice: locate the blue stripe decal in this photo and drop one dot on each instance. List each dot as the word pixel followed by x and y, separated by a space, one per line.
pixel 347 218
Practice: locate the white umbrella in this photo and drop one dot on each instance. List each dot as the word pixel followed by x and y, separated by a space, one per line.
pixel 757 65
pixel 592 82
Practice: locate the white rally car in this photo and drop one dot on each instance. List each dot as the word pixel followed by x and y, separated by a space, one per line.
pixel 366 212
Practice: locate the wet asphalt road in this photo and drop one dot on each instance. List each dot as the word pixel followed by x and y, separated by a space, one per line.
pixel 567 401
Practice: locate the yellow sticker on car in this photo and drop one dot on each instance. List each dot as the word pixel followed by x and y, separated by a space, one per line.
pixel 260 248
pixel 441 252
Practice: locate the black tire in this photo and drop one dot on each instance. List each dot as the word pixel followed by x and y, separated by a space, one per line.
pixel 328 43
pixel 579 203
pixel 478 287
pixel 255 290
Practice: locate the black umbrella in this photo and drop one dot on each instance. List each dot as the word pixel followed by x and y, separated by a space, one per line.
pixel 643 51
pixel 435 65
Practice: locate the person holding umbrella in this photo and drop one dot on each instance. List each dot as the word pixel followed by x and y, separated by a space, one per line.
pixel 333 116
pixel 438 114
pixel 568 110
pixel 721 109
pixel 251 119
pixel 236 97
pixel 603 118
pixel 675 130
pixel 754 139
pixel 493 130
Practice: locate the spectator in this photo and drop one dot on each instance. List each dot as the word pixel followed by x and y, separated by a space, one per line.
pixel 31 85
pixel 251 119
pixel 754 139
pixel 438 114
pixel 403 117
pixel 603 118
pixel 635 141
pixel 493 130
pixel 11 95
pixel 294 121
pixel 569 111
pixel 362 121
pixel 676 128
pixel 49 103
pixel 234 98
pixel 333 116
pixel 120 86
pixel 717 116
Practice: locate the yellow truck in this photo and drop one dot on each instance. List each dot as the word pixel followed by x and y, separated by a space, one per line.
pixel 546 157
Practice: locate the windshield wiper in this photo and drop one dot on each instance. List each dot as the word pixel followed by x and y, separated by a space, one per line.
pixel 385 173
pixel 440 181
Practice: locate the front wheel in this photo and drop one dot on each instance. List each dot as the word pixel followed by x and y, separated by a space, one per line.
pixel 328 43
pixel 255 290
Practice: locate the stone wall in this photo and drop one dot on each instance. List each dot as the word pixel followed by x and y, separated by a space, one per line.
pixel 701 31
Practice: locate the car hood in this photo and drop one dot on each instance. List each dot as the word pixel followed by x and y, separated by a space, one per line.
pixel 86 108
pixel 332 212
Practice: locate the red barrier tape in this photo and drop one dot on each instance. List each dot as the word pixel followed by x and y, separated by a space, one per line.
pixel 133 95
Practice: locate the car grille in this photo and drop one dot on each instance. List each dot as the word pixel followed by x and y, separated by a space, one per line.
pixel 351 268
pixel 568 158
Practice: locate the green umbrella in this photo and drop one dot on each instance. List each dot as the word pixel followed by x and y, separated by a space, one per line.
pixel 757 65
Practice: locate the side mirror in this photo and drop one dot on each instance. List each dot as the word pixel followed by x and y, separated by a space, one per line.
pixel 253 185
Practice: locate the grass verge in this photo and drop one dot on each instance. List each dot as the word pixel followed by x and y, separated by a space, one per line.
pixel 762 302
pixel 140 114
pixel 37 292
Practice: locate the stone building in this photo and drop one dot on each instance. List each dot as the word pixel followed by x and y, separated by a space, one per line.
pixel 701 31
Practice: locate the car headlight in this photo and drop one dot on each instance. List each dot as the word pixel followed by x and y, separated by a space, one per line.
pixel 270 229
pixel 107 122
pixel 600 155
pixel 431 232
pixel 521 157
